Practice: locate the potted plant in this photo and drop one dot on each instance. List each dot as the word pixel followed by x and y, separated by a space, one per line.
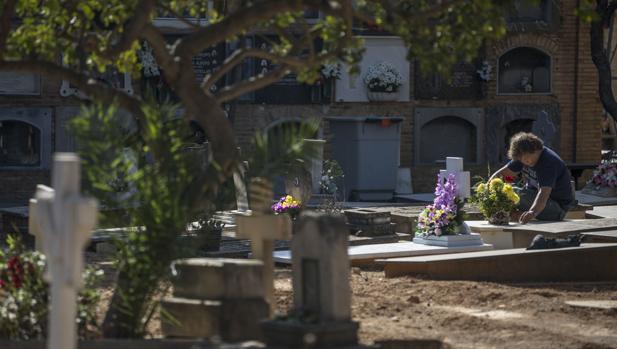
pixel 382 82
pixel 495 200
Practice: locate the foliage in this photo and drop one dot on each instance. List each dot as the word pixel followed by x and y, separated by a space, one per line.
pixel 383 77
pixel 331 173
pixel 494 197
pixel 95 36
pixel 444 216
pixel 605 175
pixel 24 295
pixel 331 71
pixel 282 150
pixel 171 188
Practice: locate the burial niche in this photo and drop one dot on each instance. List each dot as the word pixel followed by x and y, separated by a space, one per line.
pixel 448 136
pixel 524 70
pixel 527 11
pixel 20 144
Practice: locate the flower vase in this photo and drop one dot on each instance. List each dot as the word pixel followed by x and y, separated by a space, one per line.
pixel 374 96
pixel 500 218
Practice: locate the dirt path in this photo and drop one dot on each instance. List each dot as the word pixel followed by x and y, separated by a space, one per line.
pixel 476 314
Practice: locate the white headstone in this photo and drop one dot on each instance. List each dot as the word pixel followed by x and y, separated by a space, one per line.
pixel 454 165
pixel 62 221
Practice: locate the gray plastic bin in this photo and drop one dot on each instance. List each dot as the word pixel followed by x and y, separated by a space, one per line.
pixel 367 148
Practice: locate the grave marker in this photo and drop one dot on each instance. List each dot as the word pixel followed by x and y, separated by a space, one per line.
pixel 321 317
pixel 454 165
pixel 262 228
pixel 62 221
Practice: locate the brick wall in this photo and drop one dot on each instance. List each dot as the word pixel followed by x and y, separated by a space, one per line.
pixel 561 45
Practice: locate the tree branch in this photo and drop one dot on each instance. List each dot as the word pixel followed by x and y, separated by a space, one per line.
pixel 252 84
pixel 600 58
pixel 91 87
pixel 142 12
pixel 5 24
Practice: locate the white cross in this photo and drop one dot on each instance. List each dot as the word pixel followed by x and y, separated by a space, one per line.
pixel 62 221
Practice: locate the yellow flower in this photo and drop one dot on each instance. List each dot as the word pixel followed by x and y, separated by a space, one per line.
pixel 507 188
pixel 496 181
pixel 481 188
pixel 496 184
pixel 514 197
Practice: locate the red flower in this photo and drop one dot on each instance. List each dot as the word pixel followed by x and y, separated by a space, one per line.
pixel 16 271
pixel 508 179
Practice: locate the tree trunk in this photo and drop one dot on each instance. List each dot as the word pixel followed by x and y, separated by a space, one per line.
pixel 600 57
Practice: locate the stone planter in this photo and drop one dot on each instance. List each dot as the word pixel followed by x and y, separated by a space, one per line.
pixel 382 96
pixel 500 218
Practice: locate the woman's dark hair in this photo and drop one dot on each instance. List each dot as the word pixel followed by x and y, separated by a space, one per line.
pixel 524 143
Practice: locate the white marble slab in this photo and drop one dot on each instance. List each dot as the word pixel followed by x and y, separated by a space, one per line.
pixel 594 199
pixel 461 240
pixel 399 249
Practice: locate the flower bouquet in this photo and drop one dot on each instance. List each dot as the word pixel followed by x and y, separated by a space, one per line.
pixel 495 200
pixel 382 81
pixel 444 216
pixel 331 173
pixel 287 204
pixel 603 181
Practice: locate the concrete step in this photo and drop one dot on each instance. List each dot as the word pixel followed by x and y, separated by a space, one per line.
pixel 589 262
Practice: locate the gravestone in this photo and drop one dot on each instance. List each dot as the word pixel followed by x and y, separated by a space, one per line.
pixel 464 84
pixel 454 165
pixel 14 83
pixel 216 297
pixel 62 221
pixel 368 222
pixel 321 316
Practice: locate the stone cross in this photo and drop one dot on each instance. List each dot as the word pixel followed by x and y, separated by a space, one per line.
pixel 62 221
pixel 262 228
pixel 463 181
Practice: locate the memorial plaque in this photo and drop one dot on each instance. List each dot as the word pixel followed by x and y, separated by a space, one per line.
pixel 464 84
pixel 13 83
pixel 207 62
pixel 287 90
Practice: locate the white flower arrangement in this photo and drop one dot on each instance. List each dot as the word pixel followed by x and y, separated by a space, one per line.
pixel 383 77
pixel 485 71
pixel 148 63
pixel 331 71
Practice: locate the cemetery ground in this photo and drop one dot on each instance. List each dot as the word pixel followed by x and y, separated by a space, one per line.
pixel 464 314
